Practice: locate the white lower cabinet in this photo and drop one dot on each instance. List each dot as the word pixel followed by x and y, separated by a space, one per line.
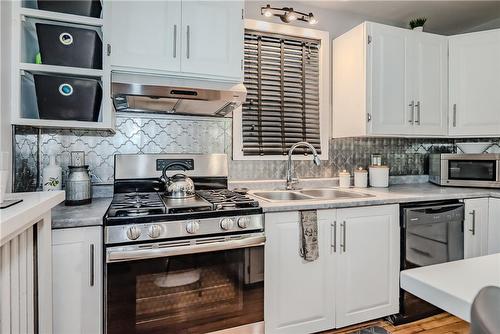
pixel 367 269
pixel 494 226
pixel 355 278
pixel 77 280
pixel 298 294
pixel 476 227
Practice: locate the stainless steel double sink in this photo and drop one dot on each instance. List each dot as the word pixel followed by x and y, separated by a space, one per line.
pixel 308 194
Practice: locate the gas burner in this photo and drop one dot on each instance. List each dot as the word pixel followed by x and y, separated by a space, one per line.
pixel 136 204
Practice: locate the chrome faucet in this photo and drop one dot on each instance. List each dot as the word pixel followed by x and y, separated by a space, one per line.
pixel 289 180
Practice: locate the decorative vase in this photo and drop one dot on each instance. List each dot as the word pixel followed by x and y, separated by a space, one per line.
pixel 52 175
pixel 421 28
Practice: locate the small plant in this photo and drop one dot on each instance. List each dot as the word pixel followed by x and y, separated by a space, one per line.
pixel 418 22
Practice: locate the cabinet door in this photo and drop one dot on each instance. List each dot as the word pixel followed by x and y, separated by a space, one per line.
pixel 476 227
pixel 389 88
pixel 430 84
pixel 298 294
pixel 212 35
pixel 77 280
pixel 474 102
pixel 494 226
pixel 145 34
pixel 367 271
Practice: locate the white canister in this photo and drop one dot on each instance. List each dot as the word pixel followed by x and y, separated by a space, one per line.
pixel 379 176
pixel 52 175
pixel 361 178
pixel 344 179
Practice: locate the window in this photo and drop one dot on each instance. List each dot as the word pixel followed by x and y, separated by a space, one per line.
pixel 284 92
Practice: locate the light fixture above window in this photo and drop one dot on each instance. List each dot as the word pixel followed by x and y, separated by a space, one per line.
pixel 287 14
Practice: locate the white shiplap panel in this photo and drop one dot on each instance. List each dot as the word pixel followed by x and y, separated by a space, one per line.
pixel 30 283
pixel 5 289
pixel 23 307
pixel 14 285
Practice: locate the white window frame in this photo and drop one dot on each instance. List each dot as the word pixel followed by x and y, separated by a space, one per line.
pixel 324 90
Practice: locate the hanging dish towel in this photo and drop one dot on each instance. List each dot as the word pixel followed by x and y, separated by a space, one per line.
pixel 309 235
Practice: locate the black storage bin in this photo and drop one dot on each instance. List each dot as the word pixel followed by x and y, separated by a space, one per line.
pixel 67 98
pixel 69 46
pixel 90 8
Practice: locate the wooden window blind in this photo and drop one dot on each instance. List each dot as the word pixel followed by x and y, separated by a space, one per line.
pixel 282 105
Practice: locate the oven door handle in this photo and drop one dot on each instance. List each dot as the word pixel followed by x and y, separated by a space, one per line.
pixel 120 254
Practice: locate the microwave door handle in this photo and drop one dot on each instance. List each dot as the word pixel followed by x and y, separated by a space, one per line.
pixel 119 254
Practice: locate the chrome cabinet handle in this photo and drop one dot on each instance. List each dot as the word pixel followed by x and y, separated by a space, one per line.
pixel 473 229
pixel 188 38
pixel 343 242
pixel 333 241
pixel 412 106
pixel 92 265
pixel 455 115
pixel 417 106
pixel 175 40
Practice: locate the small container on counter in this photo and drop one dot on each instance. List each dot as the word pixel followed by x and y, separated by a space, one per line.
pixel 52 175
pixel 360 178
pixel 379 176
pixel 78 184
pixel 344 179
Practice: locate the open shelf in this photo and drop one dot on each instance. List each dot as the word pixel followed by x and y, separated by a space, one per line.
pixel 67 70
pixel 48 123
pixel 61 17
pixel 25 111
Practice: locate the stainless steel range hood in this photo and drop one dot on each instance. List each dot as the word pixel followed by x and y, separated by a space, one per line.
pixel 132 92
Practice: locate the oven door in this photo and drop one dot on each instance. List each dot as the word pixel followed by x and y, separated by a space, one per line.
pixel 206 286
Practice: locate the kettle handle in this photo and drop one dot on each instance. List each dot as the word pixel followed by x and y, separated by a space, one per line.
pixel 164 176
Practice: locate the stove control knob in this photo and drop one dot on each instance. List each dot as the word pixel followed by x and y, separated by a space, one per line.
pixel 227 223
pixel 243 222
pixel 193 227
pixel 154 231
pixel 133 232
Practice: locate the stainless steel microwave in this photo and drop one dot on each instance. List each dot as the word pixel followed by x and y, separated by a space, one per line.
pixel 465 170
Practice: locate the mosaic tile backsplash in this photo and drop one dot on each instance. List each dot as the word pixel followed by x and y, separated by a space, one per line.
pixel 167 134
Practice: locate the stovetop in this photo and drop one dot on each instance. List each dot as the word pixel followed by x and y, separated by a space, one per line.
pixel 143 207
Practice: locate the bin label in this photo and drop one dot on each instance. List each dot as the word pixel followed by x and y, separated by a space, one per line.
pixel 66 38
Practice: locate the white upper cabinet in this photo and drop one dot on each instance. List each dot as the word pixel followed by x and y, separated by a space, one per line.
pixel 145 34
pixel 388 78
pixel 474 99
pixel 389 81
pixel 430 80
pixel 187 38
pixel 213 38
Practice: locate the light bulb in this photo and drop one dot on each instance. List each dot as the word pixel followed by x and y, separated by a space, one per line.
pixel 291 16
pixel 267 11
pixel 312 20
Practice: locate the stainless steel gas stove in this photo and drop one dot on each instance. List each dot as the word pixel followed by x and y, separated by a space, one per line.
pixel 181 265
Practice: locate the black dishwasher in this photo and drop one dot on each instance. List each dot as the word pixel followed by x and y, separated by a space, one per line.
pixel 431 233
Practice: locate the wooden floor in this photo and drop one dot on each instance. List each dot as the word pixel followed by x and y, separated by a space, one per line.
pixel 443 323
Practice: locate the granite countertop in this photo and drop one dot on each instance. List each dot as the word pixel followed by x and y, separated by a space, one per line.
pixel 80 216
pixel 394 194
